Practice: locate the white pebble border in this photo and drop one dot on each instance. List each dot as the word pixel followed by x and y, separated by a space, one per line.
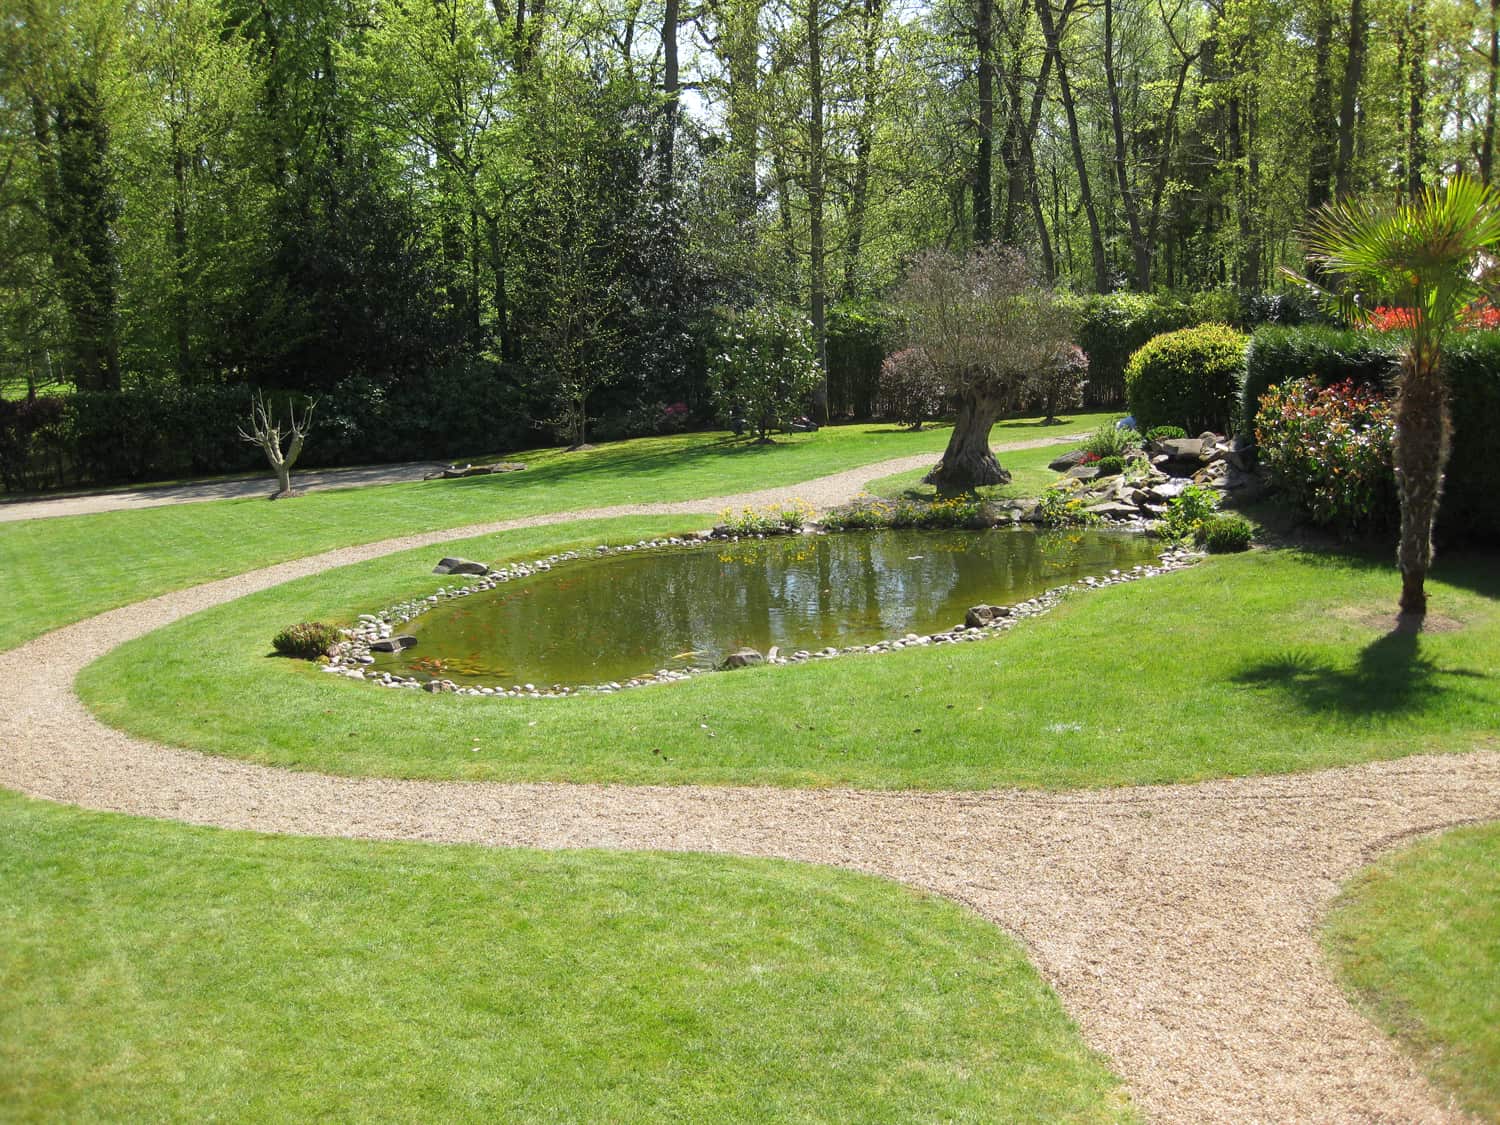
pixel 352 657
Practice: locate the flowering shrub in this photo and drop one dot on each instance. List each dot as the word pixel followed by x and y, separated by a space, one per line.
pixel 1058 386
pixel 1329 451
pixel 1056 508
pixel 1480 316
pixel 911 391
pixel 772 519
pixel 766 367
pixel 869 512
pixel 1187 512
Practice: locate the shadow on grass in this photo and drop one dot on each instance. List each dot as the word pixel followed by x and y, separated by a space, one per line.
pixel 1391 677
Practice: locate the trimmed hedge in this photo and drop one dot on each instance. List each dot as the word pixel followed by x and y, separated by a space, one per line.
pixel 151 432
pixel 1470 506
pixel 1190 378
pixel 859 335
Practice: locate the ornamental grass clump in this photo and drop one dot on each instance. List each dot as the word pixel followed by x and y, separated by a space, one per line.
pixel 1225 534
pixel 864 512
pixel 307 640
pixel 1329 452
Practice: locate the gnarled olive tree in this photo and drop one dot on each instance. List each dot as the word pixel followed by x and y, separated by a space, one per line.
pixel 987 326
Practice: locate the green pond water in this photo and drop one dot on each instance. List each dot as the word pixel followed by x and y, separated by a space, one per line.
pixel 610 618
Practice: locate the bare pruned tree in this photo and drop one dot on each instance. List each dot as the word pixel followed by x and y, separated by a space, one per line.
pixel 266 432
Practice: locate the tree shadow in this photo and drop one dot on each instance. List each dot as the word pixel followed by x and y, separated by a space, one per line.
pixel 1391 677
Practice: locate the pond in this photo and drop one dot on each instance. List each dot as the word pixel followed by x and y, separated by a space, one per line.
pixel 679 608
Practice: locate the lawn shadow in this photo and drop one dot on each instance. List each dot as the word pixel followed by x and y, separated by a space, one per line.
pixel 1391 677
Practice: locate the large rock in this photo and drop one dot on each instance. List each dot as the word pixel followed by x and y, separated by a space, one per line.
pixel 398 643
pixel 741 658
pixel 460 566
pixel 1181 449
pixel 1066 461
pixel 1115 511
pixel 1082 472
pixel 981 615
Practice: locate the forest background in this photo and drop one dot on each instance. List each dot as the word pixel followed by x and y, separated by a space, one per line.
pixel 468 222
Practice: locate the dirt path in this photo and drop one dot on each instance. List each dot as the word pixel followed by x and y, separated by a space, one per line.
pixel 1178 923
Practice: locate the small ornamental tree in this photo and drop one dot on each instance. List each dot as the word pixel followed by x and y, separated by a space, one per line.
pixel 1431 255
pixel 987 327
pixel 911 391
pixel 1058 386
pixel 265 431
pixel 765 368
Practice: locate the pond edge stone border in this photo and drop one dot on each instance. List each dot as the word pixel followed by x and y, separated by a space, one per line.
pixel 352 657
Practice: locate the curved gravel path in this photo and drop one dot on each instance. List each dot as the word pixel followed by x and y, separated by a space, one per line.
pixel 1179 924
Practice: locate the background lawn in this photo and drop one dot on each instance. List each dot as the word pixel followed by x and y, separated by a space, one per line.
pixel 155 971
pixel 1258 663
pixel 64 569
pixel 1417 939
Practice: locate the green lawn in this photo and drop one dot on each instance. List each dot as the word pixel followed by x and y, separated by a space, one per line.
pixel 1258 663
pixel 1417 939
pixel 151 971
pixel 67 568
pixel 1028 469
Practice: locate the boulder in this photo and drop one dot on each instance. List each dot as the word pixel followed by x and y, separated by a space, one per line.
pixel 979 616
pixel 741 658
pixel 397 643
pixel 460 566
pixel 1115 511
pixel 1082 472
pixel 1066 461
pixel 1181 449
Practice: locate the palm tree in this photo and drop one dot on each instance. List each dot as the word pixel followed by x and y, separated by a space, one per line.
pixel 1432 254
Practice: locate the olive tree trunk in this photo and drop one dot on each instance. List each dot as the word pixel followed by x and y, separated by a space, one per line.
pixel 1420 453
pixel 968 462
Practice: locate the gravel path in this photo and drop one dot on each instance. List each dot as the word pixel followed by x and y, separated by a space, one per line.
pixel 1179 924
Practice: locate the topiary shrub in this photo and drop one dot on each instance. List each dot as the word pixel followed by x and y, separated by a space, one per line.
pixel 1189 378
pixel 1165 433
pixel 1222 535
pixel 1111 466
pixel 306 640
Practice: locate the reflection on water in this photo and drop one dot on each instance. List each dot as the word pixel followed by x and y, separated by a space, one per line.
pixel 624 615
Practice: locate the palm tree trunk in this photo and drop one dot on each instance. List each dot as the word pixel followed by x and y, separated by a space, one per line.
pixel 1423 430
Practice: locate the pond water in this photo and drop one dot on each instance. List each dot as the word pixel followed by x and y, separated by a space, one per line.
pixel 622 615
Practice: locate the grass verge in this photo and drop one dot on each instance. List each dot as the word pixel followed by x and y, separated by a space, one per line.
pixel 64 569
pixel 1260 663
pixel 152 971
pixel 1417 939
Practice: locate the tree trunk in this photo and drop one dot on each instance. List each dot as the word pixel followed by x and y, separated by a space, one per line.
pixel 859 196
pixel 1080 163
pixel 969 462
pixel 1420 454
pixel 1487 144
pixel 671 89
pixel 180 316
pixel 742 34
pixel 984 162
pixel 1354 69
pixel 1322 143
pixel 816 263
pixel 1140 251
pixel 1416 132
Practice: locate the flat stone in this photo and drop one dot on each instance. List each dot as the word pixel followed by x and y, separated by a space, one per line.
pixel 1082 472
pixel 1065 462
pixel 393 644
pixel 460 566
pixel 741 658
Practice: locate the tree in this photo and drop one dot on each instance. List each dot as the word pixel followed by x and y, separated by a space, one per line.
pixel 987 326
pixel 910 389
pixel 1430 253
pixel 265 432
pixel 766 368
pixel 1058 386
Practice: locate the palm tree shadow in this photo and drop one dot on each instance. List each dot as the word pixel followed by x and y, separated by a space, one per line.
pixel 1391 677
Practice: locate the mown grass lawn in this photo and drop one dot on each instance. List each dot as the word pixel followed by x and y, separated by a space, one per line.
pixel 1259 663
pixel 1417 939
pixel 60 570
pixel 152 971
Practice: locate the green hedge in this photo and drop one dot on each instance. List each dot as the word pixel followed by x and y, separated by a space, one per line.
pixel 1471 497
pixel 859 336
pixel 162 432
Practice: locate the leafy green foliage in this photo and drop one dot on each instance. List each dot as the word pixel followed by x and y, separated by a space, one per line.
pixel 1058 508
pixel 859 333
pixel 1109 440
pixel 1225 534
pixel 765 368
pixel 1058 386
pixel 768 519
pixel 1324 354
pixel 1187 512
pixel 306 640
pixel 1110 466
pixel 867 512
pixel 1329 451
pixel 1162 433
pixel 1189 378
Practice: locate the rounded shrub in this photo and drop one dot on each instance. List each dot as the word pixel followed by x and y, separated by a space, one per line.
pixel 306 640
pixel 1222 535
pixel 1165 433
pixel 1189 378
pixel 1111 466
